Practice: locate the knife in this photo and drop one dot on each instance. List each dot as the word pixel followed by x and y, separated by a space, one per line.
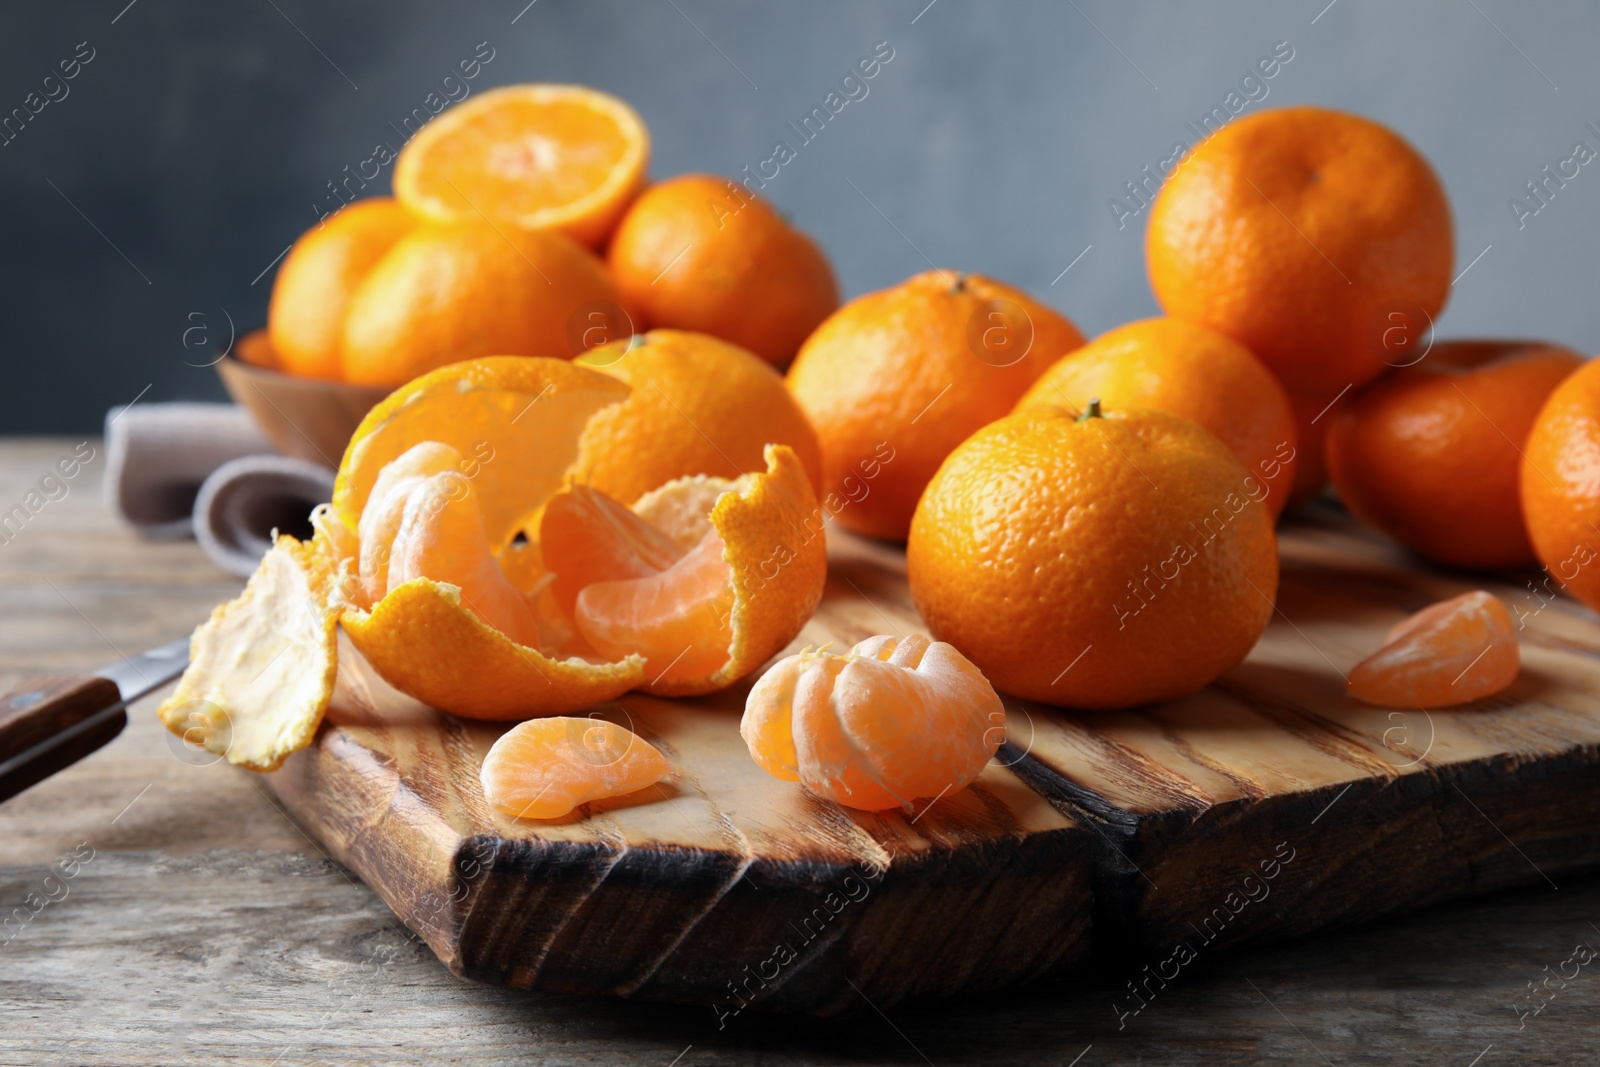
pixel 50 723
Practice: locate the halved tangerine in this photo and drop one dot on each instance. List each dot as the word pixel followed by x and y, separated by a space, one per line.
pixel 1453 652
pixel 892 720
pixel 556 157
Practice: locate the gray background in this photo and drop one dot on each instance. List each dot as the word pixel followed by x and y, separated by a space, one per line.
pixel 199 139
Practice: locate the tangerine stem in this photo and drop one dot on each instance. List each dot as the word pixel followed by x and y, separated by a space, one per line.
pixel 1092 411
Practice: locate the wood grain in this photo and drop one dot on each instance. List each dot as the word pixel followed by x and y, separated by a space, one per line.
pixel 1384 809
pixel 1267 806
pixel 724 887
pixel 209 928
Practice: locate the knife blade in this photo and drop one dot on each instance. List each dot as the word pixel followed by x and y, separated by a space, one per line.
pixel 50 723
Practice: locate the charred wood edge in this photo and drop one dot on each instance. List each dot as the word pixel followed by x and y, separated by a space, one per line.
pixel 1119 837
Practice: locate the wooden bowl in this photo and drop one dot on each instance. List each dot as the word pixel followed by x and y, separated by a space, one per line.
pixel 303 417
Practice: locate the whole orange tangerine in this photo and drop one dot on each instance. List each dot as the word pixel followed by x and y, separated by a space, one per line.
pixel 1190 370
pixel 1094 561
pixel 318 279
pixel 454 292
pixel 698 406
pixel 703 253
pixel 1301 232
pixel 1432 454
pixel 895 379
pixel 1561 484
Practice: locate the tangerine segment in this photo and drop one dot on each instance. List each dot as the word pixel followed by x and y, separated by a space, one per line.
pixel 380 519
pixel 519 419
pixel 1453 652
pixel 679 619
pixel 597 539
pixel 441 538
pixel 752 573
pixel 543 768
pixel 891 720
pixel 559 157
pixel 261 669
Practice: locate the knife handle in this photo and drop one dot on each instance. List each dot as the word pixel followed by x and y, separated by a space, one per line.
pixel 44 708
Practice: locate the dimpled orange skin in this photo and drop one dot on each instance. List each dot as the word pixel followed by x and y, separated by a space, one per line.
pixel 703 253
pixel 458 291
pixel 698 406
pixel 1031 541
pixel 312 291
pixel 1294 231
pixel 1561 484
pixel 1432 454
pixel 894 380
pixel 1185 369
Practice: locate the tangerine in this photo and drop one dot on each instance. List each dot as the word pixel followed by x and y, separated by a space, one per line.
pixel 319 278
pixel 894 380
pixel 1431 454
pixel 1100 561
pixel 699 405
pixel 702 253
pixel 889 721
pixel 1190 370
pixel 459 291
pixel 533 157
pixel 1295 231
pixel 1560 483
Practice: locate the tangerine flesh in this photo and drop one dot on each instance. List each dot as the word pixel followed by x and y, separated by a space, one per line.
pixel 1453 652
pixel 423 521
pixel 892 720
pixel 544 768
pixel 679 619
pixel 594 538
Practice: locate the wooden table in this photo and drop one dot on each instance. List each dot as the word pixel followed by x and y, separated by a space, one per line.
pixel 208 928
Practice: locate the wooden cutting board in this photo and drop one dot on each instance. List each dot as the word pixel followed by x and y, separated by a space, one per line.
pixel 1266 806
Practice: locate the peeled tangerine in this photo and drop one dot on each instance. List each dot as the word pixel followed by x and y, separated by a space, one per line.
pixel 891 720
pixel 543 768
pixel 418 557
pixel 688 590
pixel 1453 652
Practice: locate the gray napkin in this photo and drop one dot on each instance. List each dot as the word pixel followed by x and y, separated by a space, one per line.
pixel 245 499
pixel 203 470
